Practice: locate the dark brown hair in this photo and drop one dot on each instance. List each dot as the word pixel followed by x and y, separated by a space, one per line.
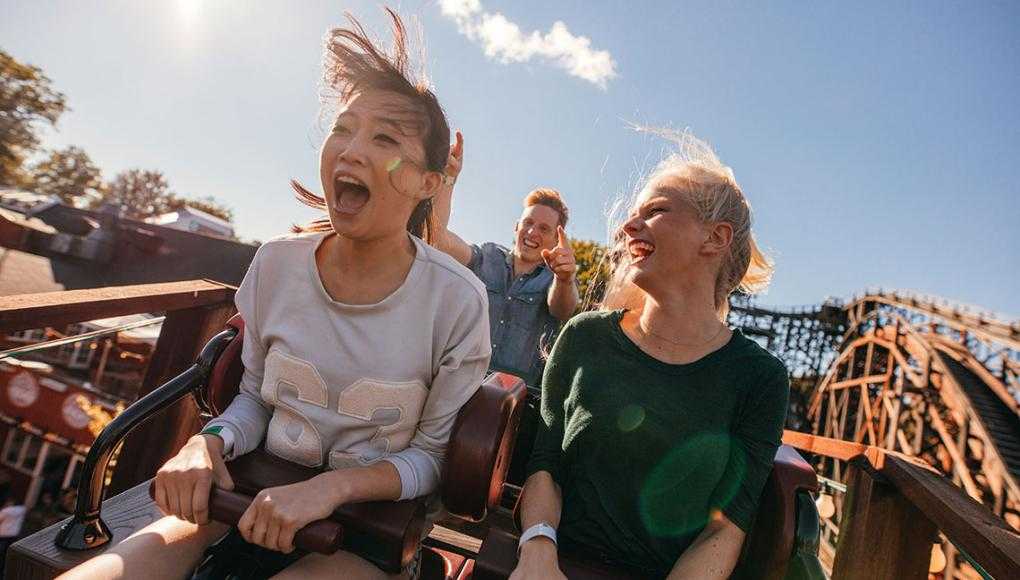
pixel 352 63
pixel 551 199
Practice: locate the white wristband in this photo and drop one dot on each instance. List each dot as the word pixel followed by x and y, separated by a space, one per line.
pixel 540 529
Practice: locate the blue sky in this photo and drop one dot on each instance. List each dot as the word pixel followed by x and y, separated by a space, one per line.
pixel 879 145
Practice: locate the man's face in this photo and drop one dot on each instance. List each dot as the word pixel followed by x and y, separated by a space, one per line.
pixel 535 231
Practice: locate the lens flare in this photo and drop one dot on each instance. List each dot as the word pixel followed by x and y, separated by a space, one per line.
pixel 631 417
pixel 394 164
pixel 709 465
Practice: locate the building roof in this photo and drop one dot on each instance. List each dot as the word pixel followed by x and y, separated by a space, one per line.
pixel 25 221
pixel 198 213
pixel 136 253
pixel 207 220
pixel 26 201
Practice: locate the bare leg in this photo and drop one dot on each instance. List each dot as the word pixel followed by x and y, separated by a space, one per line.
pixel 341 564
pixel 166 548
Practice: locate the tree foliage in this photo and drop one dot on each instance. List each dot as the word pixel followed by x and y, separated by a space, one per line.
pixel 26 101
pixel 146 193
pixel 67 173
pixel 592 271
pixel 140 193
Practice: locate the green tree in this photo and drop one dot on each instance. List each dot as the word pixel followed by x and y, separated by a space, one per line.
pixel 141 193
pixel 26 101
pixel 592 271
pixel 67 173
pixel 146 193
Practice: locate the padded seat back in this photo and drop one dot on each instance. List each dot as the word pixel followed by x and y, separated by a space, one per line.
pixel 481 445
pixel 225 378
pixel 478 455
pixel 769 547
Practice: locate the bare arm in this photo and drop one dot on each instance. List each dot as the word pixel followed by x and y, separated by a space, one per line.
pixel 541 502
pixel 713 554
pixel 563 298
pixel 446 240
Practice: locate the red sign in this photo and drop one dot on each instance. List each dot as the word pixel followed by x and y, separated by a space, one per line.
pixel 31 392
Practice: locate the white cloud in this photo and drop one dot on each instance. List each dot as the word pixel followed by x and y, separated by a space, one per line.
pixel 503 40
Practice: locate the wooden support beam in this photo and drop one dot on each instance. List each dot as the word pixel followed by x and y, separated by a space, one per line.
pixel 904 444
pixel 959 465
pixel 895 405
pixel 58 309
pixel 845 404
pixel 869 416
pixel 969 524
pixel 893 507
pixel 862 402
pixel 825 446
pixel 881 533
pixel 865 380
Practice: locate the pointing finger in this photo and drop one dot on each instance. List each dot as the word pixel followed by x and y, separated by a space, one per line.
pixel 562 235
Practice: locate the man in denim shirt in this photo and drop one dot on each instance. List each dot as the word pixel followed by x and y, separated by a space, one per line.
pixel 532 286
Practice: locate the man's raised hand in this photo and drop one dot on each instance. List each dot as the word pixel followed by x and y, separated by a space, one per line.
pixel 455 161
pixel 561 258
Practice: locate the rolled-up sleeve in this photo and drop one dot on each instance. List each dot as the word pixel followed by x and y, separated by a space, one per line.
pixel 475 263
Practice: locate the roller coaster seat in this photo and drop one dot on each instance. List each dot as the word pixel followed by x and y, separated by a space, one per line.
pixel 386 533
pixel 783 543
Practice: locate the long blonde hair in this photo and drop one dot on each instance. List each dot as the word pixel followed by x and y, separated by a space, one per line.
pixel 710 188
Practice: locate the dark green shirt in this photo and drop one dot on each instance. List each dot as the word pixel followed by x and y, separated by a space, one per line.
pixel 644 451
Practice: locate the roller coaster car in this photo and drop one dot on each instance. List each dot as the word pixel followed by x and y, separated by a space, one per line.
pixel 783 544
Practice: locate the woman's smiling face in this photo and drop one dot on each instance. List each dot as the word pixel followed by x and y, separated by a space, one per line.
pixel 372 165
pixel 664 237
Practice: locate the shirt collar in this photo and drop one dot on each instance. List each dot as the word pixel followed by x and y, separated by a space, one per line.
pixel 510 265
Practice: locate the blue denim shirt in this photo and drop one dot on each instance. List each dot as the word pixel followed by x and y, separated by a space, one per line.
pixel 520 324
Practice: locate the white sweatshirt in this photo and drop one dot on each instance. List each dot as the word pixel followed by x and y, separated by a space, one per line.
pixel 348 385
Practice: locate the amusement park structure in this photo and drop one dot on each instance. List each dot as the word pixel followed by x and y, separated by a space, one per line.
pixel 906 407
pixel 910 374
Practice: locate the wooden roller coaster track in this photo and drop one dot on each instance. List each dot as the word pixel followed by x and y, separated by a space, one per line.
pixel 910 374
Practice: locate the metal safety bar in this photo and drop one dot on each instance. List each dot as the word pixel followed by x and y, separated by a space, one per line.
pixel 86 530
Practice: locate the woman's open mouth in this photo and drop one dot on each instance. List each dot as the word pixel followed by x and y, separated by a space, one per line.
pixel 639 250
pixel 530 244
pixel 351 193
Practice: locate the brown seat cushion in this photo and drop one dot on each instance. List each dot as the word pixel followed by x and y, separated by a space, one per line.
pixel 481 445
pixel 769 547
pixel 225 378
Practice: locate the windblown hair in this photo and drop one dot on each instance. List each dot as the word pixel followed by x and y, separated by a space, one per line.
pixel 711 189
pixel 549 198
pixel 353 63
